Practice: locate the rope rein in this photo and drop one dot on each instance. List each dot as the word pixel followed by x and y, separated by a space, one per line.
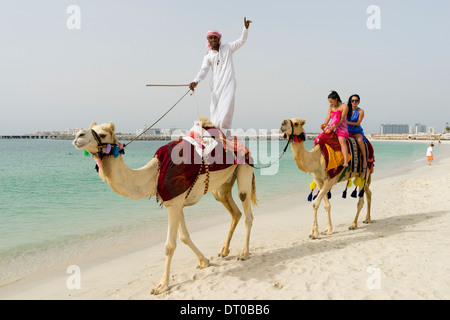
pixel 196 105
pixel 272 163
pixel 291 137
pixel 158 119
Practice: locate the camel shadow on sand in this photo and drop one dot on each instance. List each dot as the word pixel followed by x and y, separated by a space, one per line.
pixel 274 258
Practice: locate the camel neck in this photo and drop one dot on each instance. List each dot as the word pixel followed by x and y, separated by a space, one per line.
pixel 131 183
pixel 307 161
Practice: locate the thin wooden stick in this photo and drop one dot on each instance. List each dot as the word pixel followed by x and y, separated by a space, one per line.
pixel 167 85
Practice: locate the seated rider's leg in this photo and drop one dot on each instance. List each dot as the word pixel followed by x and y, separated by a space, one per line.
pixel 343 143
pixel 360 140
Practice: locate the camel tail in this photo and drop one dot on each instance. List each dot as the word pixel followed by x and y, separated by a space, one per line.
pixel 253 198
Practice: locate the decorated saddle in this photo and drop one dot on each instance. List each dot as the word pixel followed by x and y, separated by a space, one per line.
pixel 331 150
pixel 202 151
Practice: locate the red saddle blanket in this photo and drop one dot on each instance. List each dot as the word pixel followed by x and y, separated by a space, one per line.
pixel 355 164
pixel 180 164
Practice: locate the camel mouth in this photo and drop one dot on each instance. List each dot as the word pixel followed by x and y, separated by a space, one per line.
pixel 80 141
pixel 78 144
pixel 285 127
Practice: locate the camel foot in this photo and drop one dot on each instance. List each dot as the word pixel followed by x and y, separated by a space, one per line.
pixel 314 233
pixel 314 236
pixel 203 263
pixel 367 221
pixel 160 288
pixel 244 256
pixel 353 226
pixel 327 232
pixel 224 252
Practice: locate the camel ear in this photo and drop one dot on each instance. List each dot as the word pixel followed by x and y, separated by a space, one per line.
pixel 93 124
pixel 112 126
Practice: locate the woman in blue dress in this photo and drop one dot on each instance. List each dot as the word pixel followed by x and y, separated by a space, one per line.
pixel 354 117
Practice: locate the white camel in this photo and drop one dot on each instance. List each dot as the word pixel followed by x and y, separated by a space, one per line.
pixel 142 183
pixel 313 161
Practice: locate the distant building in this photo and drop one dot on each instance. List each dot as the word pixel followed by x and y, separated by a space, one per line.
pixel 150 132
pixel 69 132
pixel 420 128
pixel 394 128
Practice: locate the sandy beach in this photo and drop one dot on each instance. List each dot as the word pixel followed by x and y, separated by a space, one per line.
pixel 403 254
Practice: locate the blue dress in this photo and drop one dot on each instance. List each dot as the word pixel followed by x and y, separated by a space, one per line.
pixel 355 129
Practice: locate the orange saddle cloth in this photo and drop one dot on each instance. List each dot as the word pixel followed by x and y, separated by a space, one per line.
pixel 335 158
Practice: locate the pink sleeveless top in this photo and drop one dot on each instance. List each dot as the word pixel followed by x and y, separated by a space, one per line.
pixel 341 130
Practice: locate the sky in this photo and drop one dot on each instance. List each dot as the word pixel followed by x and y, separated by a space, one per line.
pixel 55 77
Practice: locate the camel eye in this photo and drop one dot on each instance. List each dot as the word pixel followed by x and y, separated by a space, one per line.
pixel 102 135
pixel 296 124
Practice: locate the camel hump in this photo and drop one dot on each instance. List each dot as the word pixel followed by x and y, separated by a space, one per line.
pixel 206 123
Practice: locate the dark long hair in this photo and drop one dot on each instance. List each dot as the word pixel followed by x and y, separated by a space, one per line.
pixel 349 104
pixel 334 95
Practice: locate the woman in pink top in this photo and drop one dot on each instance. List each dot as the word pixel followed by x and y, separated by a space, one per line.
pixel 336 120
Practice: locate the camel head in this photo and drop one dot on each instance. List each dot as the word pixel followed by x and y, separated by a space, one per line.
pixel 292 127
pixel 93 138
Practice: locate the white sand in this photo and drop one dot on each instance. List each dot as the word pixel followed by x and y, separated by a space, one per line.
pixel 403 254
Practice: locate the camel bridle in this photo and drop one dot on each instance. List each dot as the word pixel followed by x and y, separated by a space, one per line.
pixel 102 146
pixel 301 136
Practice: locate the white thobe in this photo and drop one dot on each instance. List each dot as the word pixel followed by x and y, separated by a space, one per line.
pixel 223 82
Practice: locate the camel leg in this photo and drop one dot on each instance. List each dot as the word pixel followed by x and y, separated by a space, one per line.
pixel 315 205
pixel 327 206
pixel 224 195
pixel 323 194
pixel 174 214
pixel 245 181
pixel 186 239
pixel 368 193
pixel 315 227
pixel 230 205
pixel 359 207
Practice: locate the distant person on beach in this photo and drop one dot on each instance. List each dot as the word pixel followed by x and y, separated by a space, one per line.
pixel 336 120
pixel 354 118
pixel 430 153
pixel 219 58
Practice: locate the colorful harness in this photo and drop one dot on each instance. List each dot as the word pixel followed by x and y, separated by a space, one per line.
pixel 105 149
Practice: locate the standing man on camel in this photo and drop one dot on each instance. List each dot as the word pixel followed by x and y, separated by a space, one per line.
pixel 219 58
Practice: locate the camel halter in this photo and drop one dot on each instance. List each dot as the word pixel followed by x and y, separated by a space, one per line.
pixel 296 137
pixel 105 149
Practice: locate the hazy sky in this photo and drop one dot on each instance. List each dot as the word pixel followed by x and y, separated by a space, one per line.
pixel 53 77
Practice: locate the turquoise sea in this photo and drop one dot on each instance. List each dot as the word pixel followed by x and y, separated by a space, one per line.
pixel 54 207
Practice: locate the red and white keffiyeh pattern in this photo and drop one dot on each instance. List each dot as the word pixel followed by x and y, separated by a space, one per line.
pixel 212 33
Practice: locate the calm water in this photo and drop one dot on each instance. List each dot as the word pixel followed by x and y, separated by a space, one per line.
pixel 52 200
